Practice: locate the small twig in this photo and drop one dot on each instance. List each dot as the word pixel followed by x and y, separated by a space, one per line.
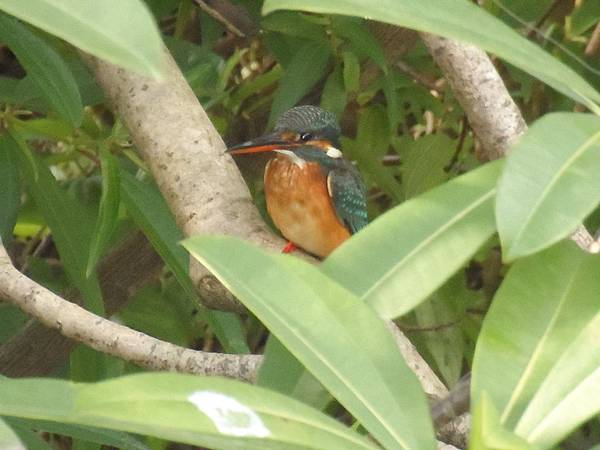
pixel 534 29
pixel 437 327
pixel 454 404
pixel 29 247
pixel 90 155
pixel 43 245
pixel 220 18
pixel 593 46
pixel 431 384
pixel 420 78
pixel 461 142
pixel 109 337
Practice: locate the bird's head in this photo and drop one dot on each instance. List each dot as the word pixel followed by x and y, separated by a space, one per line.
pixel 296 128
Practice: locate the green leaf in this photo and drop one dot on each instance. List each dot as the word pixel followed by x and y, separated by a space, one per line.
pixel 424 162
pixel 351 71
pixel 297 80
pixel 109 210
pixel 392 98
pixel 162 313
pixel 122 33
pixel 569 396
pixel 254 86
pixel 333 97
pixel 356 32
pixel 46 127
pixel 283 373
pixel 8 438
pixel 585 16
pixel 11 321
pixel 335 336
pixel 294 24
pixel 461 20
pixel 488 433
pixel 88 364
pixel 151 213
pixel 85 433
pixel 541 372
pixel 414 248
pixel 440 318
pixel 10 194
pixel 209 412
pixel 228 328
pixel 45 66
pixel 70 223
pixel 549 184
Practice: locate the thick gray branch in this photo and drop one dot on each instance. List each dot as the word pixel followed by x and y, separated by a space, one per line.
pixel 202 186
pixel 103 335
pixel 492 113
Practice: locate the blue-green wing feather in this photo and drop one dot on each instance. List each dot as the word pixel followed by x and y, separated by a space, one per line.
pixel 344 184
pixel 349 197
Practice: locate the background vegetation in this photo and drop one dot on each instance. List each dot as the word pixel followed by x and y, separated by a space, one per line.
pixel 470 258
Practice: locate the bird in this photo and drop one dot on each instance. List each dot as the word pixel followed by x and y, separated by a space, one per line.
pixel 315 197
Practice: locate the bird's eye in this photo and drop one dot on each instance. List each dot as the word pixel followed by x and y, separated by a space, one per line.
pixel 306 137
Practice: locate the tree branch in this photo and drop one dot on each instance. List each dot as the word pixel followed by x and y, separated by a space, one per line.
pixel 492 113
pixel 236 19
pixel 593 46
pixel 103 335
pixel 37 350
pixel 201 184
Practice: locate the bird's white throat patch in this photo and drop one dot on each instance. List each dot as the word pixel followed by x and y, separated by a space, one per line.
pixel 333 152
pixel 293 157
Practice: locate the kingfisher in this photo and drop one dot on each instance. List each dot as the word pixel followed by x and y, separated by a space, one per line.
pixel 315 197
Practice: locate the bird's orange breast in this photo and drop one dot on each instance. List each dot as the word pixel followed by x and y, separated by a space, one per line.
pixel 300 205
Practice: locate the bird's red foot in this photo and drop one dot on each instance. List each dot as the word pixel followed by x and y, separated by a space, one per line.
pixel 289 248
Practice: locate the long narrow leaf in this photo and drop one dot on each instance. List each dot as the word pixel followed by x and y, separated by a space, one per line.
pixel 550 183
pixel 209 412
pixel 86 433
pixel 282 372
pixel 109 210
pixel 333 334
pixel 122 32
pixel 10 194
pixel 414 248
pixel 45 66
pixel 297 80
pixel 541 370
pixel 151 213
pixel 462 20
pixel 70 224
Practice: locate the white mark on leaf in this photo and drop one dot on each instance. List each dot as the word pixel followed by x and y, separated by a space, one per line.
pixel 229 415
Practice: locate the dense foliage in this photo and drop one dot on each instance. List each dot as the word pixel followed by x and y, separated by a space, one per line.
pixel 469 257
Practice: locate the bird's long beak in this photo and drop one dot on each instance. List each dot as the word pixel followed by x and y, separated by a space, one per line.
pixel 266 143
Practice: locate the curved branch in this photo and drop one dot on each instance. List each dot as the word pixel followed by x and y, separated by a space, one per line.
pixel 185 153
pixel 103 335
pixel 494 116
pixel 37 350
